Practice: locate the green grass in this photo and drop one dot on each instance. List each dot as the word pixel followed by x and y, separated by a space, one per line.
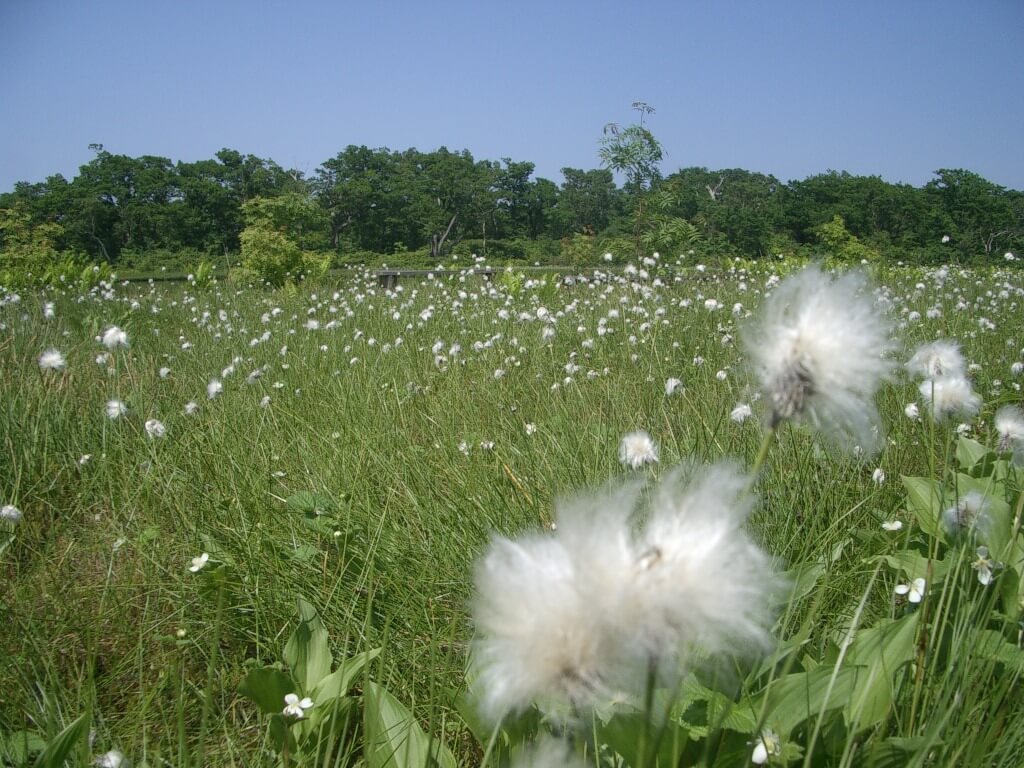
pixel 96 579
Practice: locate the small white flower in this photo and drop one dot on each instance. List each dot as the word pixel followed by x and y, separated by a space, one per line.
pixel 914 590
pixel 48 310
pixel 637 449
pixel 878 476
pixel 155 429
pixel 984 565
pixel 165 372
pixel 116 409
pixel 214 388
pixel 294 707
pixel 84 459
pixel 767 746
pixel 199 562
pixel 672 386
pixel 893 525
pixel 114 337
pixel 191 408
pixel 51 360
pixel 945 239
pixel 530 428
pixel 912 412
pixel 10 513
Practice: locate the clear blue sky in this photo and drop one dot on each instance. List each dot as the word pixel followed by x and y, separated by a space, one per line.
pixel 896 88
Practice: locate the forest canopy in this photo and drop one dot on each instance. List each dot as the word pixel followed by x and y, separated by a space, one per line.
pixel 365 204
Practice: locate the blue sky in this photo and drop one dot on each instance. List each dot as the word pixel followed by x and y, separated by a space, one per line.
pixel 897 88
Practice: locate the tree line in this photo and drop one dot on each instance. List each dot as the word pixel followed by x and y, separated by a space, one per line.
pixel 121 210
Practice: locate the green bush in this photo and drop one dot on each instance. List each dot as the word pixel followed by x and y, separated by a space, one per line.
pixel 269 255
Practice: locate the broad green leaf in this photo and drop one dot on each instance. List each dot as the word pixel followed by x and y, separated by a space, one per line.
pixel 635 739
pixel 797 697
pixel 895 752
pixel 969 453
pixel 340 681
pixel 801 580
pixel 991 645
pixel 308 651
pixel 267 687
pixel 281 734
pixel 58 750
pixel 311 504
pixel 878 652
pixel 18 746
pixel 393 737
pixel 924 502
pixel 915 566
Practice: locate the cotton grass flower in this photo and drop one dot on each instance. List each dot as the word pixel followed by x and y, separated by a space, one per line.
pixel 820 351
pixel 198 563
pixel 10 513
pixel 51 360
pixel 937 359
pixel 672 386
pixel 113 337
pixel 214 388
pixel 637 449
pixel 741 413
pixel 584 616
pixel 949 396
pixel 116 409
pixel 155 429
pixel 1009 424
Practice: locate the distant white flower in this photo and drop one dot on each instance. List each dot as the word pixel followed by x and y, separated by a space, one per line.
pixel 945 239
pixel 637 449
pixel 741 413
pixel 878 476
pixel 294 707
pixel 893 525
pixel 48 310
pixel 114 337
pixel 937 359
pixel 672 386
pixel 165 372
pixel 914 590
pixel 155 429
pixel 51 360
pixel 912 412
pixel 116 409
pixel 820 351
pixel 214 388
pixel 191 408
pixel 10 513
pixel 265 401
pixel 84 459
pixel 769 745
pixel 949 396
pixel 199 562
pixel 530 428
pixel 984 565
pixel 102 358
pixel 1017 368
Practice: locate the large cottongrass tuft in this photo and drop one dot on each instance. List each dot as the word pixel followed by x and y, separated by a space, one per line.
pixel 820 348
pixel 599 609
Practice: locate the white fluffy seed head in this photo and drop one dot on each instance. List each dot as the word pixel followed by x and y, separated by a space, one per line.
pixel 937 359
pixel 573 620
pixel 637 449
pixel 949 396
pixel 820 349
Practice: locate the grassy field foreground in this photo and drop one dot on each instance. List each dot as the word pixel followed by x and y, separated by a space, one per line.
pixel 250 489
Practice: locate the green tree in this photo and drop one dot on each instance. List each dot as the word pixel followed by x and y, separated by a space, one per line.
pixel 634 152
pixel 587 201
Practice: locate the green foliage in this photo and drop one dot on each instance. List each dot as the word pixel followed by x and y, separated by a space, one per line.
pixel 842 246
pixel 270 255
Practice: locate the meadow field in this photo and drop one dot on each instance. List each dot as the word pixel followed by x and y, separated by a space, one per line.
pixel 432 517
